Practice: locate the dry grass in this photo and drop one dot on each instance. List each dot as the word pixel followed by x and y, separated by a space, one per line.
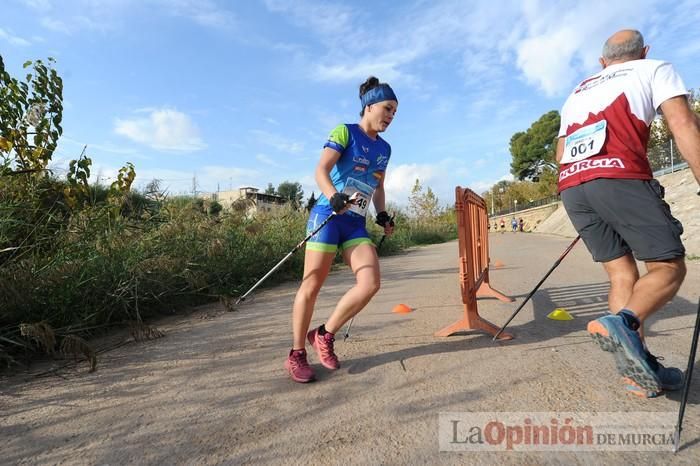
pixel 75 346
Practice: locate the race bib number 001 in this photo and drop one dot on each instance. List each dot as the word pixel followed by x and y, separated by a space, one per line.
pixel 364 195
pixel 585 142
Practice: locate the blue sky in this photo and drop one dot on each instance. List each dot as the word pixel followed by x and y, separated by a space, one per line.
pixel 242 93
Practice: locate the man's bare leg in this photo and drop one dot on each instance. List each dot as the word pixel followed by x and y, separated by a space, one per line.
pixel 657 287
pixel 623 274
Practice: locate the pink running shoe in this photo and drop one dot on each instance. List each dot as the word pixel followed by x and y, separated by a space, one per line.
pixel 323 344
pixel 298 367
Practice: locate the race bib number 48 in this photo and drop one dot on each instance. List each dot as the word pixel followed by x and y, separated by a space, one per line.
pixel 585 142
pixel 364 195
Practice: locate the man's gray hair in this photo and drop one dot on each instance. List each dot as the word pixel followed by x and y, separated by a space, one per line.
pixel 631 48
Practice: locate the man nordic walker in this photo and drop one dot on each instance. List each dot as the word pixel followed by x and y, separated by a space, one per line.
pixel 607 188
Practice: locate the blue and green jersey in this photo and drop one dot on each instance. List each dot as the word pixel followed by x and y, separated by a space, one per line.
pixel 362 159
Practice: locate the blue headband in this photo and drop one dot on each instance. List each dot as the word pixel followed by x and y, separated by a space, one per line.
pixel 378 94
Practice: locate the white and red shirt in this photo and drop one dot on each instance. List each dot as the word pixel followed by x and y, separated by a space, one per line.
pixel 606 120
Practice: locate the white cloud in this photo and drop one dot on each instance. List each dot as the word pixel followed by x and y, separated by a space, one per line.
pixel 104 15
pixel 14 40
pixel 400 179
pixel 483 185
pixel 562 42
pixel 442 177
pixel 280 143
pixel 203 12
pixel 335 22
pixel 42 5
pixel 55 25
pixel 550 44
pixel 164 129
pixel 267 160
pixel 357 71
pixel 544 69
pixel 107 147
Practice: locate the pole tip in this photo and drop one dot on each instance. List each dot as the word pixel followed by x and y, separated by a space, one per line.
pixel 676 440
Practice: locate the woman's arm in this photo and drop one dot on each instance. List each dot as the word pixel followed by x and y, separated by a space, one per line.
pixel 329 157
pixel 379 198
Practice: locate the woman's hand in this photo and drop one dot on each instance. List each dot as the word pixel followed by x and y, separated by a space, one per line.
pixel 384 220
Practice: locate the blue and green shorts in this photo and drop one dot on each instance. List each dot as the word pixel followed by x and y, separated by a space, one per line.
pixel 344 231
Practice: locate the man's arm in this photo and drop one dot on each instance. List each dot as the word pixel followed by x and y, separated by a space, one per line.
pixel 560 149
pixel 685 127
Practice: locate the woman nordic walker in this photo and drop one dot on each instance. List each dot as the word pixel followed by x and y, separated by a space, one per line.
pixel 350 174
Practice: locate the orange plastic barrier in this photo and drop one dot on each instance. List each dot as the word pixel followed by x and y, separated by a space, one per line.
pixel 473 236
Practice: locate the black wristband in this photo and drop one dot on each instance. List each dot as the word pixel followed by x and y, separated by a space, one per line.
pixel 338 201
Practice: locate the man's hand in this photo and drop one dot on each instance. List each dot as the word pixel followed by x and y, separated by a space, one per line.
pixel 385 221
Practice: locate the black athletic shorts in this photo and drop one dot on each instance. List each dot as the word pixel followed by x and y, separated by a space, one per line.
pixel 617 216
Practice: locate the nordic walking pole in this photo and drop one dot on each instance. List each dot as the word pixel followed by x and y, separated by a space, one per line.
pixel 347 330
pixel 571 246
pixel 686 386
pixel 381 241
pixel 284 259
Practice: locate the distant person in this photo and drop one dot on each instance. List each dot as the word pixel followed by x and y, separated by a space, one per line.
pixel 514 224
pixel 521 224
pixel 607 189
pixel 350 175
pixel 503 226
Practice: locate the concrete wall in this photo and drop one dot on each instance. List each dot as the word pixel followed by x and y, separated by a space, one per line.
pixel 557 224
pixel 531 217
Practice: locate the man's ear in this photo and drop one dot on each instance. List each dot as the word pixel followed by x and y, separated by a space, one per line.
pixel 601 60
pixel 645 51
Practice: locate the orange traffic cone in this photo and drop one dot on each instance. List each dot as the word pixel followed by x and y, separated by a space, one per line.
pixel 401 309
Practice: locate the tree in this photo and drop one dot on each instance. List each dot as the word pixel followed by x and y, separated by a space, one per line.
pixel 311 202
pixel 534 150
pixel 660 138
pixel 30 117
pixel 423 205
pixel 503 194
pixel 292 191
pixel 270 189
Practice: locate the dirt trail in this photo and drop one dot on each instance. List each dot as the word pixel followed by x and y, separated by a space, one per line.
pixel 213 390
